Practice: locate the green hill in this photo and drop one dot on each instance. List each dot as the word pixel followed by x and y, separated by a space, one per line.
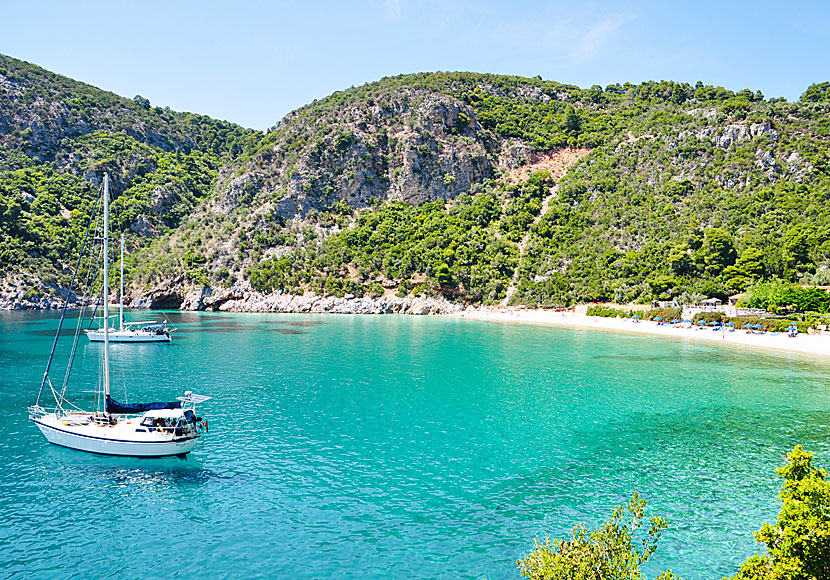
pixel 474 187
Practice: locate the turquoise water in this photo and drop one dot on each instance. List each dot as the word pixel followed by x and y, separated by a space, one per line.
pixel 391 447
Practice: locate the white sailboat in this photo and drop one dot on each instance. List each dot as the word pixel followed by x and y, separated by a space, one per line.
pixel 112 428
pixel 146 331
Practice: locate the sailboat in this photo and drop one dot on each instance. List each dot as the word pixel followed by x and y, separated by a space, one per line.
pixel 146 331
pixel 112 428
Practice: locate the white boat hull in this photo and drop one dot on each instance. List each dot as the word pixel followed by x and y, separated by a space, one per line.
pixel 119 439
pixel 127 336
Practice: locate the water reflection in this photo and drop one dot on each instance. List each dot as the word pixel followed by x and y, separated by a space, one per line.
pixel 185 317
pixel 301 323
pixel 51 332
pixel 286 331
pixel 134 472
pixel 212 329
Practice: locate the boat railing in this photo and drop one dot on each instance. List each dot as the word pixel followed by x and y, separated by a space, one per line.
pixel 36 412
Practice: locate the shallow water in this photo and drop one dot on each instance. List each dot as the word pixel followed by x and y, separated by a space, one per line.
pixel 390 446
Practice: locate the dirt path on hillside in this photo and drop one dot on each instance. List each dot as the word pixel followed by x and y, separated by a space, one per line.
pixel 558 164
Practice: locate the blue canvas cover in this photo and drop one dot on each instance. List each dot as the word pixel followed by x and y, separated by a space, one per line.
pixel 114 406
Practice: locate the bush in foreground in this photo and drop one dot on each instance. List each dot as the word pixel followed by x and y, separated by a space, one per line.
pixel 798 544
pixel 609 553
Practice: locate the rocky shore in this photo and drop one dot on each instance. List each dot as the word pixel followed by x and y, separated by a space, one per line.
pixel 247 300
pixel 36 303
pixel 244 299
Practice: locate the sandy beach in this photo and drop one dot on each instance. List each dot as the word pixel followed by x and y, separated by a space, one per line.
pixel 803 343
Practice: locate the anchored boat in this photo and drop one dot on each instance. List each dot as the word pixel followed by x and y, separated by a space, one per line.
pixel 109 427
pixel 147 331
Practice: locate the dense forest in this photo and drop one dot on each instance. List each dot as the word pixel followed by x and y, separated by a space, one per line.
pixel 477 188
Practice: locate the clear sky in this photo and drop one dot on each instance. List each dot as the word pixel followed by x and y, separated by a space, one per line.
pixel 252 62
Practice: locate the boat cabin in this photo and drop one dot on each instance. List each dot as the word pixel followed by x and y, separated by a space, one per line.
pixel 176 421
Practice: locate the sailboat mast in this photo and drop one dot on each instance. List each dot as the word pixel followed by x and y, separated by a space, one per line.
pixel 106 288
pixel 121 302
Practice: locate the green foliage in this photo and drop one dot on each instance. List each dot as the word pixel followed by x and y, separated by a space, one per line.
pixel 614 551
pixel 651 219
pixel 161 164
pixel 44 233
pixel 748 268
pixel 454 248
pixel 604 311
pixel 43 216
pixel 664 205
pixel 740 322
pixel 718 250
pixel 798 544
pixel 769 324
pixel 65 108
pixel 667 314
pixel 817 93
pixel 782 296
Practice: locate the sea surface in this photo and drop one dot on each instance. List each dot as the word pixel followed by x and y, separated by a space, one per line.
pixel 401 447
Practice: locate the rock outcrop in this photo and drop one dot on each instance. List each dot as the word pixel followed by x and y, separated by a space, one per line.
pixel 723 137
pixel 413 146
pixel 314 303
pixel 242 298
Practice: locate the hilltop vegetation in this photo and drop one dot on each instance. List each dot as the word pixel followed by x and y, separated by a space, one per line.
pixel 688 189
pixel 58 136
pixel 433 183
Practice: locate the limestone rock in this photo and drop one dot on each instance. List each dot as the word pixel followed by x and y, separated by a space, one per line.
pixel 195 300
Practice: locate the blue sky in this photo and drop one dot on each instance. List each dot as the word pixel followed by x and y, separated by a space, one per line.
pixel 252 62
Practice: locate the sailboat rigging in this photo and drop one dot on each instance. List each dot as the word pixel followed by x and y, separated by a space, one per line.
pixel 110 427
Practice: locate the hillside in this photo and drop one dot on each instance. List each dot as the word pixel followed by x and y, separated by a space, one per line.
pixel 475 188
pixel 58 136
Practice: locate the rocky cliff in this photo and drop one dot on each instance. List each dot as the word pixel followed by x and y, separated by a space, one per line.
pixel 411 146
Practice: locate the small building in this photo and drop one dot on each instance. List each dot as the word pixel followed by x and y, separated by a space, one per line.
pixel 709 305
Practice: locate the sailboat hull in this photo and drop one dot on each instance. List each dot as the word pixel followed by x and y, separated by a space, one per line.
pixel 121 439
pixel 127 336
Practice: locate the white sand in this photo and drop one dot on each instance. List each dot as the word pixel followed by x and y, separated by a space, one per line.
pixel 803 343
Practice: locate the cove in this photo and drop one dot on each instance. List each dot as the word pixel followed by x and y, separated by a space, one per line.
pixel 393 446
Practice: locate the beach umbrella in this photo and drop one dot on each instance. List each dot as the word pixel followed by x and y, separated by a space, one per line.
pixel 675 320
pixel 730 324
pixel 636 316
pixel 658 318
pixel 687 321
pixel 701 322
pixel 715 323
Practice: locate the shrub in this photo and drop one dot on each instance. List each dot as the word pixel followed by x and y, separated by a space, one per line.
pixel 605 311
pixel 709 317
pixel 609 552
pixel 664 313
pixel 798 544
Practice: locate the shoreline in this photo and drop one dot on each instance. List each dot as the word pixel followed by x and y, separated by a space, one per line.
pixel 803 343
pixel 248 301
